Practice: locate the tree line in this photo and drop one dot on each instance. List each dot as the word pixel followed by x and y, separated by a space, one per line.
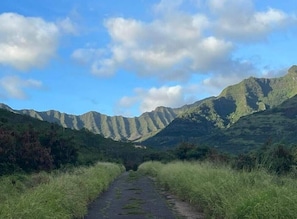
pixel 30 150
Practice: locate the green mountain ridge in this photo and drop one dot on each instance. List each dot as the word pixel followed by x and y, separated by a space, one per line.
pixel 200 124
pixel 276 125
pixel 115 127
pixel 118 128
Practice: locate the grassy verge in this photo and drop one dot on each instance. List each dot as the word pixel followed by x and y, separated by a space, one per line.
pixel 224 193
pixel 55 195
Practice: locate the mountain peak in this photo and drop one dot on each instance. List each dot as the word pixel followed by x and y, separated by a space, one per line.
pixel 293 70
pixel 4 106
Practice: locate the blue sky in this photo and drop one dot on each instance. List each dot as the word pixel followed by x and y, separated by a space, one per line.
pixel 128 57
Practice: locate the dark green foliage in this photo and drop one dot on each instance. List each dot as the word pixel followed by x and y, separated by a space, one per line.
pixel 29 144
pixel 62 148
pixel 245 162
pixel 188 151
pixel 282 160
pixel 23 151
pixel 277 159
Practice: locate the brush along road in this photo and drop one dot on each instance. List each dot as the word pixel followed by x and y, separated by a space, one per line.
pixel 133 196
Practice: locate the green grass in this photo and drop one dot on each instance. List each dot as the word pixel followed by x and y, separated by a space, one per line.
pixel 55 195
pixel 225 193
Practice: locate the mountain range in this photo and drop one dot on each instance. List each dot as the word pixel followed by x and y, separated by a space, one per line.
pixel 220 121
pixel 230 121
pixel 115 127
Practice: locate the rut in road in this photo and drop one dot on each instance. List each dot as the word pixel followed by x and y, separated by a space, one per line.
pixel 132 195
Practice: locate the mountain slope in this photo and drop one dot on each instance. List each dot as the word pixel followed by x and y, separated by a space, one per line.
pixel 115 127
pixel 276 125
pixel 216 114
pixel 31 144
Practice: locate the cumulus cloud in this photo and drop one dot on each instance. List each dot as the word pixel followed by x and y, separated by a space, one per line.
pixel 28 42
pixel 93 57
pixel 13 86
pixel 240 21
pixel 168 48
pixel 177 44
pixel 169 96
pixel 180 44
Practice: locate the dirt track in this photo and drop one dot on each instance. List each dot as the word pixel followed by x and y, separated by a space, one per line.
pixel 134 196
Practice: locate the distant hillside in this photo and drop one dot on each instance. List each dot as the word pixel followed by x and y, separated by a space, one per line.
pixel 115 127
pixel 221 113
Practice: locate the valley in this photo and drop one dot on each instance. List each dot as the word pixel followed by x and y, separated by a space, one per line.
pixel 240 144
pixel 148 109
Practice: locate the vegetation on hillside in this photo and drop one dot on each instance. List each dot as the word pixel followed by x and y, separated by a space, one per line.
pixel 28 144
pixel 250 132
pixel 115 127
pixel 241 119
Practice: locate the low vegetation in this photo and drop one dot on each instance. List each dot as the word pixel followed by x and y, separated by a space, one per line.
pixel 55 195
pixel 222 192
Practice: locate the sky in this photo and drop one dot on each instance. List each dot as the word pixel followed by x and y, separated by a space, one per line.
pixel 129 57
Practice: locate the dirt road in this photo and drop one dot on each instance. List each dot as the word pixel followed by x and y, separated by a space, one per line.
pixel 132 196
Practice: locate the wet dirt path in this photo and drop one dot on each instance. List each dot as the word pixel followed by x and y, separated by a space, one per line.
pixel 133 196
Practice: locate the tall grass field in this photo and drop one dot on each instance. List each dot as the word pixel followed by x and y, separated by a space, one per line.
pixel 221 192
pixel 54 195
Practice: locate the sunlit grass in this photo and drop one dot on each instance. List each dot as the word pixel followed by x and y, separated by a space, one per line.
pixel 225 193
pixel 64 195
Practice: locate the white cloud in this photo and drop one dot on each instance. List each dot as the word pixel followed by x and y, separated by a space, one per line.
pixel 87 55
pixel 66 25
pixel 26 42
pixel 168 48
pixel 239 20
pixel 167 6
pixel 169 96
pixel 13 86
pixel 177 44
pixel 94 58
pixel 180 44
